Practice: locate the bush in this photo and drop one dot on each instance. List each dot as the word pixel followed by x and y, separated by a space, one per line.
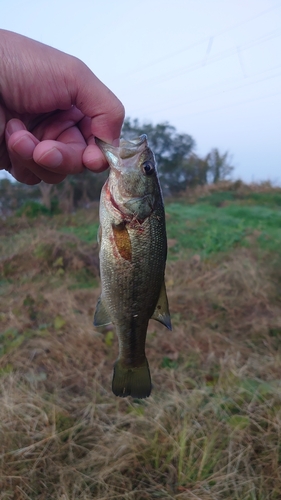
pixel 33 209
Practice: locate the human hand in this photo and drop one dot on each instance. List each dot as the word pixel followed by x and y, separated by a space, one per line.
pixel 51 109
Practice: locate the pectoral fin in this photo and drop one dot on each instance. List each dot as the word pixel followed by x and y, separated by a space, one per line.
pixel 101 317
pixel 161 312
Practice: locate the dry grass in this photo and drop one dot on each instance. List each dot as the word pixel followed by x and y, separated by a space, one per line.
pixel 237 186
pixel 210 430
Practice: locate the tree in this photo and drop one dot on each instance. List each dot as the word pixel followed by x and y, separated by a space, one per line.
pixel 75 191
pixel 87 187
pixel 13 195
pixel 196 171
pixel 219 167
pixel 171 149
pixel 46 191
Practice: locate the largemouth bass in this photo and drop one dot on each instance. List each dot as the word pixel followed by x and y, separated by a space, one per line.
pixel 133 250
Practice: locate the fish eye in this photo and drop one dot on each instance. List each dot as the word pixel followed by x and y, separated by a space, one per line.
pixel 148 168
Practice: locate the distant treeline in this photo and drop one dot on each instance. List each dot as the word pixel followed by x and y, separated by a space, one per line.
pixel 179 167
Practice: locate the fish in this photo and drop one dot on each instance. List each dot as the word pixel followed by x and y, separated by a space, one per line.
pixel 132 250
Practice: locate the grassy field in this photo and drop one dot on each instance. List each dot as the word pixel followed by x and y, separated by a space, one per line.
pixel 212 426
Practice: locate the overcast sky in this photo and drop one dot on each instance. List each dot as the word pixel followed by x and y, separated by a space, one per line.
pixel 212 68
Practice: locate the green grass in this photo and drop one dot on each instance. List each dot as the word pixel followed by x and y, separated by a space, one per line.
pixel 87 233
pixel 206 229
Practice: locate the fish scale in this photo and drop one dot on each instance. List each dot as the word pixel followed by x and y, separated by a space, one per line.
pixel 133 248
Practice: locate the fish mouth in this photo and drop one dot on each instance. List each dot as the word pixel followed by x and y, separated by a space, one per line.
pixel 130 148
pixel 126 149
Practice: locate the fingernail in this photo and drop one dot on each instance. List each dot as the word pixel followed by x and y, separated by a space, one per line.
pixel 52 158
pixel 12 126
pixel 24 147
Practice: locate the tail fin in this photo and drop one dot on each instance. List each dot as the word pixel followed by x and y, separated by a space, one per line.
pixel 135 382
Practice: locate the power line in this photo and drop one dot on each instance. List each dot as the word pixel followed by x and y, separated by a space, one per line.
pixel 220 91
pixel 208 50
pixel 232 104
pixel 201 41
pixel 229 105
pixel 218 57
pixel 241 62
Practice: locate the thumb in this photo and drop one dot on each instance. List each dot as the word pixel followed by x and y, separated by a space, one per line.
pixel 96 101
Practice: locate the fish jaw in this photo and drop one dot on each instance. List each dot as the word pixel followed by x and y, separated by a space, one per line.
pixel 128 208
